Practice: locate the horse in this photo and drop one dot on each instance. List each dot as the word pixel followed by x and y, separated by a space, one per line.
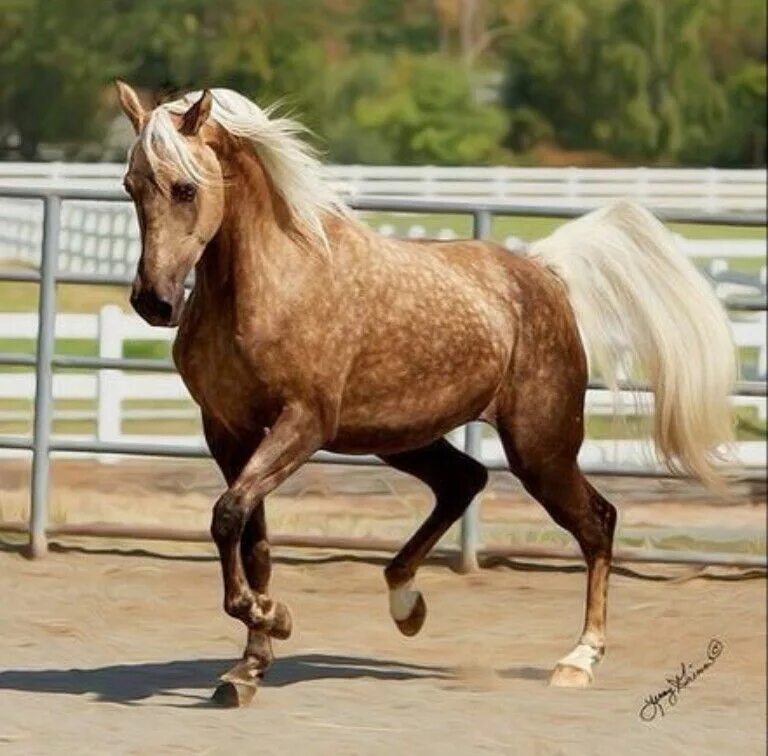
pixel 307 330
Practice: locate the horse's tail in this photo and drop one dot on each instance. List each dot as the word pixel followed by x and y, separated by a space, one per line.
pixel 636 295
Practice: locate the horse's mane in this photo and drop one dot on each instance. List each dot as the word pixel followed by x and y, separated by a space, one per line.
pixel 292 164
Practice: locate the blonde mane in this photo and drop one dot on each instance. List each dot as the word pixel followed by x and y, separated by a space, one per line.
pixel 292 164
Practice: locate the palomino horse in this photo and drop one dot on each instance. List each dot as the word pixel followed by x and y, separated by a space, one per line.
pixel 306 330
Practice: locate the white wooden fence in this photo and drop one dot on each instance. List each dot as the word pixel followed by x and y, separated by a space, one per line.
pixel 102 237
pixel 110 389
pixel 703 189
pixel 710 189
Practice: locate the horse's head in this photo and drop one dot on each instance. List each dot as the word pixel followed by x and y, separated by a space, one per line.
pixel 176 183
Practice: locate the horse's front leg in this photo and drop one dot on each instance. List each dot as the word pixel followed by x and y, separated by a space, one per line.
pixel 294 437
pixel 232 454
pixel 258 655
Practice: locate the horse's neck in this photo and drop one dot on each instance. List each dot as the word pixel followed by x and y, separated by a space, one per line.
pixel 238 265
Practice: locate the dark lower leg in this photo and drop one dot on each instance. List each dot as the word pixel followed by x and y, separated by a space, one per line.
pixel 255 609
pixel 575 505
pixel 257 564
pixel 293 438
pixel 455 479
pixel 403 566
pixel 295 435
pixel 598 560
pixel 244 556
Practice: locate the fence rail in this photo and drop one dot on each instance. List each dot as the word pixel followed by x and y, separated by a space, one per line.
pixel 711 189
pixel 42 443
pixel 102 237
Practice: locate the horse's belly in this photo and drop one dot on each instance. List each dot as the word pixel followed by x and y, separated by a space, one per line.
pixel 375 437
pixel 402 410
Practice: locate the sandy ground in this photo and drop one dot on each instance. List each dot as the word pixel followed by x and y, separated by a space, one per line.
pixel 108 653
pixel 113 648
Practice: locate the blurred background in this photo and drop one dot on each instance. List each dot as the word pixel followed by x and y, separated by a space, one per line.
pixel 444 82
pixel 532 105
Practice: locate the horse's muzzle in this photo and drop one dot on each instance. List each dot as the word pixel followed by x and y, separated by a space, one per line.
pixel 157 309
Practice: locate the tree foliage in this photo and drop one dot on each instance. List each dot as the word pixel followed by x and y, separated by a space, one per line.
pixel 407 81
pixel 680 81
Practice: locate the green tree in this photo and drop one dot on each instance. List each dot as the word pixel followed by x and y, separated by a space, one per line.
pixel 425 109
pixel 679 81
pixel 641 79
pixel 54 60
pixel 743 142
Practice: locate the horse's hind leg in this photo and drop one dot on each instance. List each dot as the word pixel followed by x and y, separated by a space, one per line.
pixel 557 483
pixel 455 479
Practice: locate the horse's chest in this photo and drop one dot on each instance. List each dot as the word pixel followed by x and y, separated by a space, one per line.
pixel 218 381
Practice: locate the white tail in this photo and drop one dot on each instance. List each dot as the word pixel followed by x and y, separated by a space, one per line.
pixel 636 295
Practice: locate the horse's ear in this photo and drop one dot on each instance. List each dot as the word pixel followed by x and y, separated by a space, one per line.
pixel 197 115
pixel 132 107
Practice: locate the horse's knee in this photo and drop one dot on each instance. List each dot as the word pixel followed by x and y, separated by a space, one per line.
pixel 228 519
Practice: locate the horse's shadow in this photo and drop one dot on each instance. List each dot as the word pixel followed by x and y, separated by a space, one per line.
pixel 131 683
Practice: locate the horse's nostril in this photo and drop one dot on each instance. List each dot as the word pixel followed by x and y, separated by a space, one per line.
pixel 163 309
pixel 152 307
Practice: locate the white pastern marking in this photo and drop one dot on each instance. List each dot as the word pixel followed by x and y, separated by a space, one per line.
pixel 402 600
pixel 583 657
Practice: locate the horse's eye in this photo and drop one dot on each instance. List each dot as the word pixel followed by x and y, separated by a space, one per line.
pixel 183 191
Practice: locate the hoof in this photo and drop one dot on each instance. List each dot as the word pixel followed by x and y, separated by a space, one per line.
pixel 413 623
pixel 232 695
pixel 567 676
pixel 282 624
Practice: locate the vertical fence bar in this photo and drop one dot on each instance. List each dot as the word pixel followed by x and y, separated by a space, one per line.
pixel 109 382
pixel 46 323
pixel 470 527
pixel 482 224
pixel 482 221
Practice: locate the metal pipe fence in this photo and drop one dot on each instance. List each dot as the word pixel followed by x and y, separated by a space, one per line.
pixel 41 444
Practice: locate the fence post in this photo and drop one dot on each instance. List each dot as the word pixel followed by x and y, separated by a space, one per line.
pixel 428 181
pixel 482 222
pixel 572 184
pixel 108 395
pixel 470 530
pixel 762 358
pixel 46 324
pixel 641 191
pixel 712 182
